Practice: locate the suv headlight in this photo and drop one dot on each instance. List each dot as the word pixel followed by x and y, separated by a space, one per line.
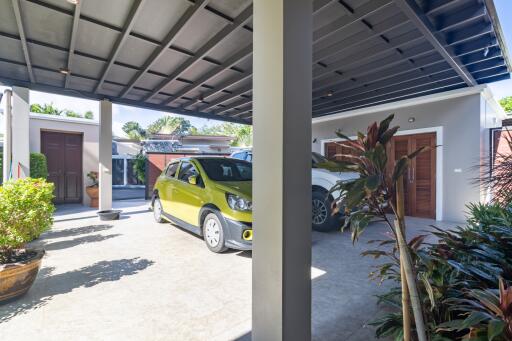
pixel 238 203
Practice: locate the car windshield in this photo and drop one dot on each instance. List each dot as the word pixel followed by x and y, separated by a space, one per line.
pixel 318 158
pixel 227 169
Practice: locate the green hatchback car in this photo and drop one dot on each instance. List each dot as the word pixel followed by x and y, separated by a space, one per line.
pixel 209 196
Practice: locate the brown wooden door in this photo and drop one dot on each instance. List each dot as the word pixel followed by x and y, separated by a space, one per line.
pixel 420 179
pixel 63 152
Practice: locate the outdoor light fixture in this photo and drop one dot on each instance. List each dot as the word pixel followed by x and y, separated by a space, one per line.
pixel 65 71
pixel 330 93
pixel 486 51
pixel 411 119
pixel 74 2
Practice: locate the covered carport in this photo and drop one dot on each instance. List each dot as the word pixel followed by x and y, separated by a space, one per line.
pixel 275 64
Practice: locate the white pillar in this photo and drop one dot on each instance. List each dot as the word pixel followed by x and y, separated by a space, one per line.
pixel 282 78
pixel 105 156
pixel 7 152
pixel 20 133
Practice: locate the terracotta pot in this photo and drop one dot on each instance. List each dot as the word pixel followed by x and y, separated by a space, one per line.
pixel 17 278
pixel 93 193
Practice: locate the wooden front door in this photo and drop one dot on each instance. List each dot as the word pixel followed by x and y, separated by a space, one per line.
pixel 419 181
pixel 63 152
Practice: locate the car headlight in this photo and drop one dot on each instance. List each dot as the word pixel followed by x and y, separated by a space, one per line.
pixel 238 203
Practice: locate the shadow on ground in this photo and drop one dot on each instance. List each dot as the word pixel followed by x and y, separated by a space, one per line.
pixel 75 231
pixel 77 241
pixel 47 285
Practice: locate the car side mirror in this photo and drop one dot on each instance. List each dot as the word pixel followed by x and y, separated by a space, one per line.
pixel 192 179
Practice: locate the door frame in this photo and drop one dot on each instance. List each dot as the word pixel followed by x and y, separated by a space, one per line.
pixel 82 187
pixel 439 160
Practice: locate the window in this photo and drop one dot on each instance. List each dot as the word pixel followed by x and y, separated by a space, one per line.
pixel 240 155
pixel 171 170
pixel 219 169
pixel 187 170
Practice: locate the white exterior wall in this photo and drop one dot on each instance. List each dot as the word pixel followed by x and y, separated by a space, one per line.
pixel 464 129
pixel 90 131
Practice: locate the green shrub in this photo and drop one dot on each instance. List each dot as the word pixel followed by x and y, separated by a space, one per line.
pixel 462 276
pixel 38 166
pixel 26 211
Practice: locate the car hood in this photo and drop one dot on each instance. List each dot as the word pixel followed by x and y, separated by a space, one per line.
pixel 242 188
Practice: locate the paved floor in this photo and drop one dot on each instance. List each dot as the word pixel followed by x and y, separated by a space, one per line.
pixel 134 279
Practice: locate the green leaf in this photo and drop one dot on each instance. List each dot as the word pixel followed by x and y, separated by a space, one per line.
pixel 384 124
pixel 388 134
pixel 474 318
pixel 417 152
pixel 495 328
pixel 400 168
pixel 372 182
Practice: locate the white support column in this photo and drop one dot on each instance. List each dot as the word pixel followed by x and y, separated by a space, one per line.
pixel 105 156
pixel 282 79
pixel 7 152
pixel 125 170
pixel 20 133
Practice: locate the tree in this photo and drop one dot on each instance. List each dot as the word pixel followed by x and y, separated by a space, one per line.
pixel 506 103
pixel 170 125
pixel 366 198
pixel 71 113
pixel 89 115
pixel 241 133
pixel 47 109
pixel 134 130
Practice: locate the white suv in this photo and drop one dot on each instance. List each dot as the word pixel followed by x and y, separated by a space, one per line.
pixel 322 181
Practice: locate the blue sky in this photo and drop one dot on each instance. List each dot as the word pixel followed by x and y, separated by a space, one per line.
pixel 122 114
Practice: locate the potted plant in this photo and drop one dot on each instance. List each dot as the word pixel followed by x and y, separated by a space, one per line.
pixel 26 211
pixel 92 190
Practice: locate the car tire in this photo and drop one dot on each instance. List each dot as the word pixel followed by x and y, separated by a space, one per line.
pixel 214 233
pixel 158 211
pixel 322 219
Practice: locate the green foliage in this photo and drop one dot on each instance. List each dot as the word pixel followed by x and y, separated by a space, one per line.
pixel 169 125
pixel 47 109
pixel 50 109
pixel 139 167
pixel 506 103
pixel 134 130
pixel 89 115
pixel 93 178
pixel 38 166
pixel 26 211
pixel 241 133
pixel 462 278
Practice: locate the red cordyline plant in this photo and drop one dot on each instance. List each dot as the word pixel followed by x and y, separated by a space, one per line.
pixel 498 173
pixel 377 192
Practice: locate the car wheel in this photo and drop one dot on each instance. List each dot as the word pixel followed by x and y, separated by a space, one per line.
pixel 213 233
pixel 322 219
pixel 158 211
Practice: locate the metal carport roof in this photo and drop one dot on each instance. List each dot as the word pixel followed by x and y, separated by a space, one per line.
pixel 195 57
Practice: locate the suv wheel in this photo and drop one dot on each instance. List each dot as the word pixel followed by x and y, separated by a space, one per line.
pixel 322 219
pixel 158 211
pixel 213 233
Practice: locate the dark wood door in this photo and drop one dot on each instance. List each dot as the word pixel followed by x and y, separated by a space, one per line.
pixel 420 179
pixel 63 152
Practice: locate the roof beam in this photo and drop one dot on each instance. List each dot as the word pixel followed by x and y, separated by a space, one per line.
pixel 23 39
pixel 238 22
pixel 419 19
pixel 169 39
pixel 347 20
pixel 221 87
pixel 130 21
pixel 72 42
pixel 234 105
pixel 238 92
pixel 236 58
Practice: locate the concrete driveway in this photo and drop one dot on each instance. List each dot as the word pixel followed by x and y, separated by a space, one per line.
pixel 134 279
